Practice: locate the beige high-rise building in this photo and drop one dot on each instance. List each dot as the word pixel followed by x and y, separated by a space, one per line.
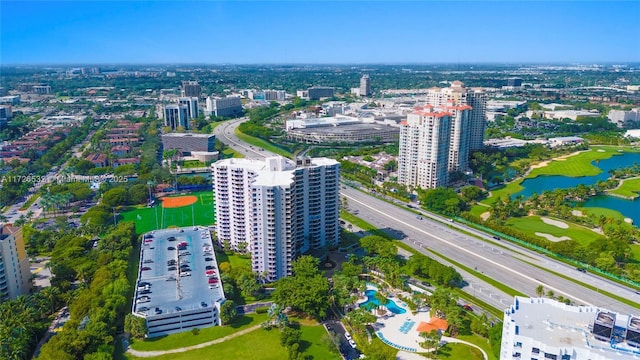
pixel 365 85
pixel 15 276
pixel 457 95
pixel 424 148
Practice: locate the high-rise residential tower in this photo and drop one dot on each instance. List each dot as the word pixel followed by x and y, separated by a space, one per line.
pixel 365 85
pixel 15 276
pixel 424 148
pixel 276 209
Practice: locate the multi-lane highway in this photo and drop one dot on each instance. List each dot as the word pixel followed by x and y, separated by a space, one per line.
pixel 504 262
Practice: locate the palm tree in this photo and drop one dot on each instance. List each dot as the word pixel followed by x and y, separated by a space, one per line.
pixel 540 291
pixel 431 341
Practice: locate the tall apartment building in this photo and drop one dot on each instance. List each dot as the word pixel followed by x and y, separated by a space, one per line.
pixel 365 85
pixel 191 89
pixel 456 95
pixel 227 106
pixel 424 149
pixel 5 115
pixel 539 328
pixel 277 209
pixel 15 276
pixel 192 106
pixel 176 116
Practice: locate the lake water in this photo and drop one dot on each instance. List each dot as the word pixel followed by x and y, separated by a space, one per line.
pixel 629 208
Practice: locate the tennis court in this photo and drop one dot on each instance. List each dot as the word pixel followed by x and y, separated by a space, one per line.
pixel 159 217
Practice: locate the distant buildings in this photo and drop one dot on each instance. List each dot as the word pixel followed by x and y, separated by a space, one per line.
pixel 436 139
pixel 276 209
pixel 365 86
pixel 176 116
pixel 539 328
pixel 341 129
pixel 15 276
pixel 570 114
pixel 192 106
pixel 319 92
pixel 5 115
pixel 191 89
pixel 187 142
pixel 225 107
pixel 618 117
pixel 34 88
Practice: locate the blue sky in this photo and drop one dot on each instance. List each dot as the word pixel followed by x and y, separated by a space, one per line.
pixel 104 32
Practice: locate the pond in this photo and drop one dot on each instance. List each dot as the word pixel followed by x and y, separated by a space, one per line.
pixel 628 208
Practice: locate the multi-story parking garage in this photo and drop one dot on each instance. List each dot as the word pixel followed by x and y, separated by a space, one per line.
pixel 179 286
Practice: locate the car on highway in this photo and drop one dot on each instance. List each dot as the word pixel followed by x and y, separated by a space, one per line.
pixel 496 237
pixel 419 217
pixel 581 269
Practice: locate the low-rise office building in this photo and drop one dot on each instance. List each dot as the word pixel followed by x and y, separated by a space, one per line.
pixel 187 143
pixel 341 129
pixel 227 106
pixel 540 328
pixel 179 286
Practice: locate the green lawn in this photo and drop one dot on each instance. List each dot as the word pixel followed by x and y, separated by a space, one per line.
pixel 532 224
pixel 478 210
pixel 234 260
pixel 459 351
pixel 481 342
pixel 259 344
pixel 635 251
pixel 189 164
pixel 503 191
pixel 147 219
pixel 629 188
pixel 577 165
pixel 186 338
pixel 262 144
pixel 597 211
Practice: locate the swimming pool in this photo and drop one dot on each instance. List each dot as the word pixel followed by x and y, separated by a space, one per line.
pixel 391 305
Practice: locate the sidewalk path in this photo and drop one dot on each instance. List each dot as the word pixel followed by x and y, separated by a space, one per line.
pixel 454 340
pixel 146 354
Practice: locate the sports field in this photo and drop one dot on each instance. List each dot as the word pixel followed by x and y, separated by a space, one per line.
pixel 160 216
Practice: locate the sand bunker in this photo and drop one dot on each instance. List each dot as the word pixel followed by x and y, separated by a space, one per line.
pixel 551 237
pixel 556 223
pixel 577 213
pixel 485 215
pixel 600 150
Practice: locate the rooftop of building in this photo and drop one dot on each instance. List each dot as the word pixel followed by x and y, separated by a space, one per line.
pixel 162 286
pixel 273 171
pixel 192 135
pixel 8 230
pixel 362 128
pixel 560 325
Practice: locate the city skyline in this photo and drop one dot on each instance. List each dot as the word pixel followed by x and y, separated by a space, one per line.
pixel 166 32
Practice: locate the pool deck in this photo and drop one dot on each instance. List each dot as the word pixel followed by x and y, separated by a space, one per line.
pixel 394 329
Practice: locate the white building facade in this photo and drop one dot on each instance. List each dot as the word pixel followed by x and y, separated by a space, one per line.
pixel 192 106
pixel 276 209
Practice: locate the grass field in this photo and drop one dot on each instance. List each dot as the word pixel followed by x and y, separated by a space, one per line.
pixel 262 144
pixel 597 211
pixel 532 224
pixel 259 344
pixel 147 219
pixel 629 188
pixel 186 338
pixel 577 165
pixel 481 342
